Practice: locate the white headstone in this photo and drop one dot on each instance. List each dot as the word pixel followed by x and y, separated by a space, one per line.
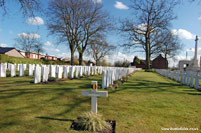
pixel 66 71
pixel 76 71
pixel 192 80
pixel 57 68
pixel 21 70
pixel 12 70
pixel 197 81
pixel 31 69
pixel 81 72
pixel 89 70
pixel 92 70
pixel 72 72
pixel 188 79
pixel 37 74
pixel 85 71
pixel 95 70
pixel 107 79
pixel 184 80
pixel 45 73
pixel 52 71
pixel 60 72
pixel 2 70
pixel 104 80
pixel 182 77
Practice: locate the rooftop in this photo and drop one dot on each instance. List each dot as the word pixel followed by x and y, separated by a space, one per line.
pixel 3 50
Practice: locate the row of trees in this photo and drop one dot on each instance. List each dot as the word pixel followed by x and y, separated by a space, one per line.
pixel 84 23
pixel 79 23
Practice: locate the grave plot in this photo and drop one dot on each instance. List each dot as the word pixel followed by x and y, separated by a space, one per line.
pixel 188 78
pixel 46 73
pixel 145 103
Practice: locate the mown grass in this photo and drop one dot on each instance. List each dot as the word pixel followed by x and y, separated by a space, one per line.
pixel 17 60
pixel 146 103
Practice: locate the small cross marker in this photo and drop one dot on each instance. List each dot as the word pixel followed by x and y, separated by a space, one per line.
pixel 94 93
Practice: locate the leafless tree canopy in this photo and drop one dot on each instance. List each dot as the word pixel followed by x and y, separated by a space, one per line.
pixel 28 7
pixel 171 44
pixel 75 22
pixel 151 18
pixel 99 48
pixel 29 43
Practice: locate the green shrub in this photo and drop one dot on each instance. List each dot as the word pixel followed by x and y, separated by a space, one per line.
pixel 124 79
pixel 149 70
pixel 52 79
pixel 92 122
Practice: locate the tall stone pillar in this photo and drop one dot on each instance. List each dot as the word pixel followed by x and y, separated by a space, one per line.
pixel 195 59
pixel 196 48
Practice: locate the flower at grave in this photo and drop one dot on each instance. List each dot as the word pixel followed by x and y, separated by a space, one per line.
pixel 92 122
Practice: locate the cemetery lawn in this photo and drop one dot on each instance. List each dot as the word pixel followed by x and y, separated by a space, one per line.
pixel 145 103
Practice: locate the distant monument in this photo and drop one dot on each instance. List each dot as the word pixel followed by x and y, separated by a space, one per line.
pixel 191 65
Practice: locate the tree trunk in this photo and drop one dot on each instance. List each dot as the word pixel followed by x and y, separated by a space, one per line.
pixel 72 58
pixel 97 62
pixel 166 61
pixel 80 58
pixel 147 62
pixel 38 54
pixel 147 55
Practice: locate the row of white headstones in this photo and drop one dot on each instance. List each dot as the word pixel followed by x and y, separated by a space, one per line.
pixel 188 78
pixel 42 72
pixel 12 69
pixel 112 74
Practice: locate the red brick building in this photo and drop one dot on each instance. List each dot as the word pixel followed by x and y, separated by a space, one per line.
pixel 32 55
pixel 157 63
pixel 160 63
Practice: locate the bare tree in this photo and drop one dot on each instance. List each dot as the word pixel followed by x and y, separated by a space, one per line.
pixel 38 47
pixel 171 44
pixel 27 6
pixel 75 22
pixel 95 21
pixel 99 48
pixel 27 42
pixel 152 17
pixel 62 22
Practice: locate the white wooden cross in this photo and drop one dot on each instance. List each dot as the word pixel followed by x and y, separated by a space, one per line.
pixel 94 93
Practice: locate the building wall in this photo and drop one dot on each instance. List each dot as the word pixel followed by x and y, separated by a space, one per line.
pixel 14 53
pixel 49 58
pixel 41 56
pixel 54 58
pixel 143 66
pixel 31 55
pixel 23 53
pixel 159 63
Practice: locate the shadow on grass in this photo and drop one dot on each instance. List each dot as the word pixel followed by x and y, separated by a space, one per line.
pixel 194 93
pixel 57 119
pixel 11 93
pixel 5 125
pixel 147 86
pixel 77 102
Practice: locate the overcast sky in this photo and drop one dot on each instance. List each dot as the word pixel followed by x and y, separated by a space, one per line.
pixel 186 26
